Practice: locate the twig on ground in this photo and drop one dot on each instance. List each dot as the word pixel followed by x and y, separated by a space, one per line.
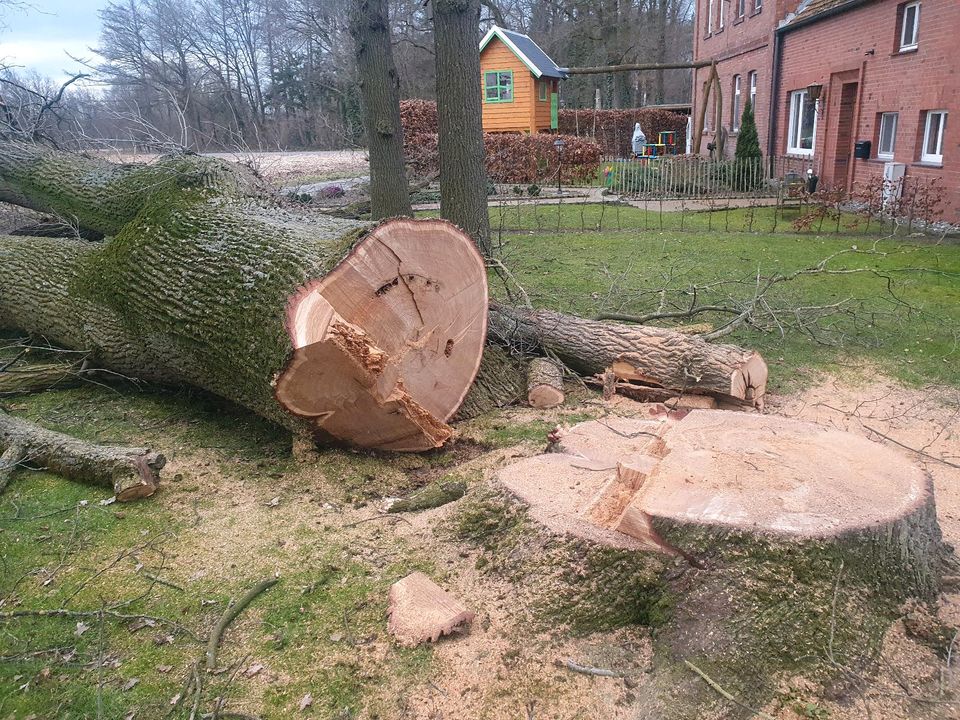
pixel 588 669
pixel 229 615
pixel 723 693
pixel 913 449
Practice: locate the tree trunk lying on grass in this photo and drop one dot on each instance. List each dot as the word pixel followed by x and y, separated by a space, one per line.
pixel 652 355
pixel 130 472
pixel 368 335
pixel 715 528
pixel 361 334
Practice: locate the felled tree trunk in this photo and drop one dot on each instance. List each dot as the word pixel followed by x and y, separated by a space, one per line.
pixel 716 529
pixel 544 384
pixel 359 334
pixel 654 356
pixel 130 472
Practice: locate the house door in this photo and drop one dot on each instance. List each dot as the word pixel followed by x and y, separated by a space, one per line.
pixel 554 107
pixel 845 120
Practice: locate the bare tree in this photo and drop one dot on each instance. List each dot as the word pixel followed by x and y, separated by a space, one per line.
pixel 463 175
pixel 380 88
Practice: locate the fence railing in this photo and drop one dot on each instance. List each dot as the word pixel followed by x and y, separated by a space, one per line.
pixel 696 177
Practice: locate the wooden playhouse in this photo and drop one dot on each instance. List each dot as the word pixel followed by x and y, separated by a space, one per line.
pixel 520 83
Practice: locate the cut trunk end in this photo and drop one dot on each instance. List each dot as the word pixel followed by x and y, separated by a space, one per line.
pixel 387 344
pixel 544 384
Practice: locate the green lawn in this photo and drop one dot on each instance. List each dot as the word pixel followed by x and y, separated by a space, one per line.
pixel 900 311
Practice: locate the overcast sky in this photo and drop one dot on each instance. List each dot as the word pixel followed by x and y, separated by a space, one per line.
pixel 40 36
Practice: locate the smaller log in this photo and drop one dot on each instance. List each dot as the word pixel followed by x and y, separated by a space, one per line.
pixel 37 377
pixel 544 384
pixel 421 611
pixel 132 472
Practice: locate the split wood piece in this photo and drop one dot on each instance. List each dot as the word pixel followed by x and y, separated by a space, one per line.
pixel 131 472
pixel 672 400
pixel 544 384
pixel 658 357
pixel 359 334
pixel 421 611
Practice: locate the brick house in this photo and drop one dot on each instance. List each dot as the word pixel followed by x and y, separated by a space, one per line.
pixel 885 72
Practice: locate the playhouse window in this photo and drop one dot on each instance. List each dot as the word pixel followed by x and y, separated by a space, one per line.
pixel 543 91
pixel 498 86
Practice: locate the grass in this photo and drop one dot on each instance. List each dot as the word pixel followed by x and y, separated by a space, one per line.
pixel 901 313
pixel 214 530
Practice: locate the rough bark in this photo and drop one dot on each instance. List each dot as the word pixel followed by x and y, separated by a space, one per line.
pixel 37 377
pixel 380 90
pixel 714 528
pixel 544 384
pixel 367 335
pixel 654 356
pixel 500 382
pixel 131 472
pixel 463 175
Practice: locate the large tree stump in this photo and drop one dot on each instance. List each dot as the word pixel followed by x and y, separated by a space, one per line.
pixel 359 334
pixel 754 544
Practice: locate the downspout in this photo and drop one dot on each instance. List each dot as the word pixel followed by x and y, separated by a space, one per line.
pixel 774 98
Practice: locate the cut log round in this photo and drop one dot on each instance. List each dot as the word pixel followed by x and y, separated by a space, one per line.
pixel 654 356
pixel 363 335
pixel 544 384
pixel 776 545
pixel 131 472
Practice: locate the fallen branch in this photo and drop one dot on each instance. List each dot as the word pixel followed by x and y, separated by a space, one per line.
pixel 229 615
pixel 131 472
pixel 588 669
pixel 921 453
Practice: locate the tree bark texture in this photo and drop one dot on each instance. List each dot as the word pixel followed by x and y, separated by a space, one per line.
pixel 544 384
pixel 131 472
pixel 655 356
pixel 714 529
pixel 380 90
pixel 500 382
pixel 463 175
pixel 365 335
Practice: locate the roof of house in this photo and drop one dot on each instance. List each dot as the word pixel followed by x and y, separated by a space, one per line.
pixel 529 53
pixel 810 9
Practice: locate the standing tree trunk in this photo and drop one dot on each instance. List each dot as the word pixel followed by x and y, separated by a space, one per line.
pixel 463 176
pixel 380 90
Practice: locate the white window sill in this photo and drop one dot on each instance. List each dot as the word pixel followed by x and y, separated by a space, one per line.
pixel 885 158
pixel 930 162
pixel 906 49
pixel 799 153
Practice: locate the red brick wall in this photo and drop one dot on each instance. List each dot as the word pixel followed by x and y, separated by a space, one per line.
pixel 861 45
pixel 742 46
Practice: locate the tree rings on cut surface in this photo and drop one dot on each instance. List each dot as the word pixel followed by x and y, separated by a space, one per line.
pixel 387 344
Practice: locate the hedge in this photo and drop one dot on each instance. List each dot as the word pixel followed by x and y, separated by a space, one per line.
pixel 614 128
pixel 513 157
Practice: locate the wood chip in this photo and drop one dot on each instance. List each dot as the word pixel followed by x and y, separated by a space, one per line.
pixel 421 611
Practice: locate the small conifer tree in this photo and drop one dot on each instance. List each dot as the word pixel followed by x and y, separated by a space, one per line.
pixel 748 155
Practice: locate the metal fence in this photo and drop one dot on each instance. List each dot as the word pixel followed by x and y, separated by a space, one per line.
pixel 696 177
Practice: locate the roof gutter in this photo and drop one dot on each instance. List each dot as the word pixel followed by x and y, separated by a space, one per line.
pixel 778 36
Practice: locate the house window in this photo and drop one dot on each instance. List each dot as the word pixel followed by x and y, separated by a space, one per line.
pixel 932 150
pixel 723 7
pixel 753 90
pixel 909 26
pixel 803 123
pixel 887 136
pixel 757 5
pixel 741 8
pixel 735 109
pixel 498 86
pixel 543 91
pixel 710 16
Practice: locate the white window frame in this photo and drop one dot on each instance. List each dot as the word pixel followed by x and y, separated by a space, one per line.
pixel 752 75
pixel 710 8
pixel 723 5
pixel 735 109
pixel 757 5
pixel 797 99
pixel 741 8
pixel 936 157
pixel 886 118
pixel 910 43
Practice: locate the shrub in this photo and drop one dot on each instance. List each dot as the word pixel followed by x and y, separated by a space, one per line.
pixel 513 158
pixel 533 190
pixel 748 156
pixel 613 129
